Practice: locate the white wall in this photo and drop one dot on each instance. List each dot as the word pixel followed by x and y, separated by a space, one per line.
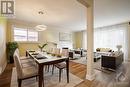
pixel 3 60
pixel 129 42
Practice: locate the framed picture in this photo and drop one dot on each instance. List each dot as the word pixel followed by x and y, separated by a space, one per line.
pixel 64 36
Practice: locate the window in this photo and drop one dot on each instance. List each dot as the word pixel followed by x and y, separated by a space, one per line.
pixel 110 37
pixel 32 36
pixel 21 34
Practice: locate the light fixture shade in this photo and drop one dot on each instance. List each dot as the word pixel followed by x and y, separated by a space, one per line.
pixel 41 27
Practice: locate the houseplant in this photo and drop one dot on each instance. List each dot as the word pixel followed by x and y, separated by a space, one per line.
pixel 11 47
pixel 42 46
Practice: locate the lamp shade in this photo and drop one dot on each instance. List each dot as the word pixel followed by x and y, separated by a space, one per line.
pixel 119 47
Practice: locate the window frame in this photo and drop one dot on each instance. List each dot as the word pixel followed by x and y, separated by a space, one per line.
pixel 31 29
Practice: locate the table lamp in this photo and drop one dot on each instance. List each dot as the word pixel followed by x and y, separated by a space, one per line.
pixel 119 47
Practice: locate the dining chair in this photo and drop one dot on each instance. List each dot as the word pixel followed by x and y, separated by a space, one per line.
pixel 50 50
pixel 23 72
pixel 54 52
pixel 62 65
pixel 26 61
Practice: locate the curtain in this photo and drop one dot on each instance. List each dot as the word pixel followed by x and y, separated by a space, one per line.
pixel 110 37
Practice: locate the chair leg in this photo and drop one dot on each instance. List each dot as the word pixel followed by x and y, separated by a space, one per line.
pixel 36 78
pixel 60 71
pixel 52 69
pixel 48 66
pixel 19 82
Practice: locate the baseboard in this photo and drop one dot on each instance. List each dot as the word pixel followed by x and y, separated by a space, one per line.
pixel 91 77
pixel 127 60
pixel 2 68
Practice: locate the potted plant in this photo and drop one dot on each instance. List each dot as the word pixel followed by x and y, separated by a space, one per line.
pixel 11 47
pixel 42 46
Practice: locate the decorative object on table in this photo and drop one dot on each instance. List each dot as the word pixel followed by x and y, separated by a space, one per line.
pixel 11 47
pixel 40 56
pixel 42 46
pixel 58 55
pixel 53 54
pixel 119 47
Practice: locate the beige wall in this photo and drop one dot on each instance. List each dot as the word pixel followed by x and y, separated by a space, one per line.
pixel 3 60
pixel 50 35
pixel 78 39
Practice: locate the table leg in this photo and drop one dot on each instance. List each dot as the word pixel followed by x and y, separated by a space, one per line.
pixel 26 53
pixel 41 79
pixel 67 70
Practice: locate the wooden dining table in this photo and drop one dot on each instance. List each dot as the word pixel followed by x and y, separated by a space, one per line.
pixel 47 60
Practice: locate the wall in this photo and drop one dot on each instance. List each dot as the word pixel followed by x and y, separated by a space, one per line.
pixel 128 42
pixel 9 34
pixel 78 39
pixel 3 60
pixel 50 35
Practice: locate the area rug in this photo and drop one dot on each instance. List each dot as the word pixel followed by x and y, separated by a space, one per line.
pixel 97 64
pixel 49 80
pixel 81 60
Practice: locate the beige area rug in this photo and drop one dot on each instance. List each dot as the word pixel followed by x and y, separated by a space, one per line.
pixel 50 80
pixel 83 60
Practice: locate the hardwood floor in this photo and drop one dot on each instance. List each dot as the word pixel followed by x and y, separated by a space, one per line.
pixel 80 71
pixel 5 78
pixel 102 79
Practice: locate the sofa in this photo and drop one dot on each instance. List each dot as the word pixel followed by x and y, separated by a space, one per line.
pixel 112 61
pixel 103 50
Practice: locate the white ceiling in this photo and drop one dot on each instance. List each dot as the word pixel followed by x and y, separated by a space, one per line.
pixel 71 15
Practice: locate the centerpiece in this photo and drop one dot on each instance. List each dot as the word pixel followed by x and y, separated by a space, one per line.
pixel 42 46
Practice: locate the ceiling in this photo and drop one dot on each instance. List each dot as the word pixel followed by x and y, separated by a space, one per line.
pixel 70 14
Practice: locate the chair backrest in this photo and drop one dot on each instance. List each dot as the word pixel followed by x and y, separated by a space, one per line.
pixel 18 64
pixel 56 51
pixel 17 51
pixel 65 52
pixel 50 50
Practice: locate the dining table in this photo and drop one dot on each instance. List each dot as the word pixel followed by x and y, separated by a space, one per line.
pixel 46 59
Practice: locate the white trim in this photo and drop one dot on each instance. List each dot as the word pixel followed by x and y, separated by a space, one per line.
pixel 91 77
pixel 2 68
pixel 128 60
pixel 28 42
